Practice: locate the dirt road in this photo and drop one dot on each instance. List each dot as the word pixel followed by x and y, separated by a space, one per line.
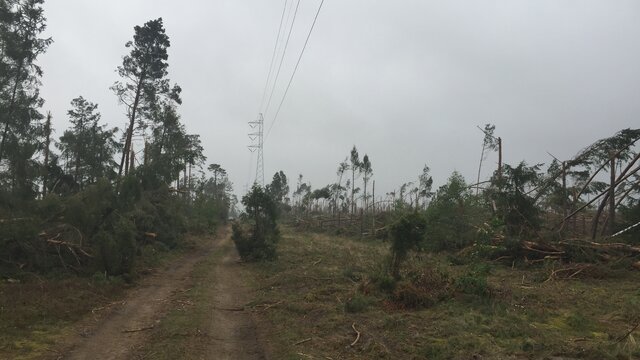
pixel 128 325
pixel 231 328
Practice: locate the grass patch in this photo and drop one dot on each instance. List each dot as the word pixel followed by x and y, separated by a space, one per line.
pixel 36 312
pixel 492 311
pixel 358 303
pixel 184 329
pixel 34 315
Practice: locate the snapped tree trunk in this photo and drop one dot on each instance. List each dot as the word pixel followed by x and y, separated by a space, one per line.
pixel 353 186
pixel 134 109
pixel 625 174
pixel 612 197
pixel 480 169
pixel 499 158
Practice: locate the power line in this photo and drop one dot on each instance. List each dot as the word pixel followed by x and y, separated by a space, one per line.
pixel 259 123
pixel 286 44
pixel 273 56
pixel 295 69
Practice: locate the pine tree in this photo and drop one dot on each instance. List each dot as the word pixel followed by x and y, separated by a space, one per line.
pixel 21 24
pixel 144 83
pixel 88 146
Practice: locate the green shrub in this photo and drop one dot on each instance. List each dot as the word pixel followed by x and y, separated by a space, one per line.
pixel 407 234
pixel 256 237
pixel 253 246
pixel 474 282
pixel 473 285
pixel 357 303
pixel 117 247
pixel 451 215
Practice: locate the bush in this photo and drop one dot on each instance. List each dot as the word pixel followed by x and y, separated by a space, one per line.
pixel 257 236
pixel 474 282
pixel 251 246
pixel 117 247
pixel 451 215
pixel 407 234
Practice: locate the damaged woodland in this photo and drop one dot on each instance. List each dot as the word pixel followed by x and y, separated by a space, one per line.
pixel 574 249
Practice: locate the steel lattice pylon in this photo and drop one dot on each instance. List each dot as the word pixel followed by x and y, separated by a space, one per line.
pixel 257 142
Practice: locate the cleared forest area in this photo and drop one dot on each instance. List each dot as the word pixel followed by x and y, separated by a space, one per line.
pixel 320 300
pixel 528 264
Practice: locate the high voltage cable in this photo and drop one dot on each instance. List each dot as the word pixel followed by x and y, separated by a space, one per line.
pixel 273 56
pixel 271 66
pixel 286 44
pixel 295 69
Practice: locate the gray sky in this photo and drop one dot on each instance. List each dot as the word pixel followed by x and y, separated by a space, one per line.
pixel 407 82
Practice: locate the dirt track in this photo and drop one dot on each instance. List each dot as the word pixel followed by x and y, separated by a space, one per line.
pixel 122 331
pixel 232 328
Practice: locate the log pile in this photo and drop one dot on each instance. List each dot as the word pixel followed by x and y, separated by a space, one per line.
pixel 566 250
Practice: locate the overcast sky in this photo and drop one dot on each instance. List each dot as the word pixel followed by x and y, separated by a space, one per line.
pixel 407 82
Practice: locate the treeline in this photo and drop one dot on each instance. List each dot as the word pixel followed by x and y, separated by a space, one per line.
pixel 521 216
pixel 600 185
pixel 90 201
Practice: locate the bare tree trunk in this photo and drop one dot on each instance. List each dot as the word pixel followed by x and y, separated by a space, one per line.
pixel 364 198
pixel 373 208
pixel 47 143
pixel 132 160
pixel 77 159
pixel 499 158
pixel 146 153
pixel 584 187
pixel 353 186
pixel 480 168
pixel 612 196
pixel 129 135
pixel 565 207
pixel 190 186
pixel 623 176
pixel 186 187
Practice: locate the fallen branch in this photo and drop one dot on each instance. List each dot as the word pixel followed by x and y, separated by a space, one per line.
pixel 68 245
pixel 272 305
pixel 353 326
pixel 503 258
pixel 541 248
pixel 302 341
pixel 106 306
pixel 604 246
pixel 229 309
pixel 628 333
pixel 2 221
pixel 315 278
pixel 576 270
pixel 139 329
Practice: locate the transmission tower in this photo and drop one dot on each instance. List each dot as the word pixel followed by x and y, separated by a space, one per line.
pixel 257 142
